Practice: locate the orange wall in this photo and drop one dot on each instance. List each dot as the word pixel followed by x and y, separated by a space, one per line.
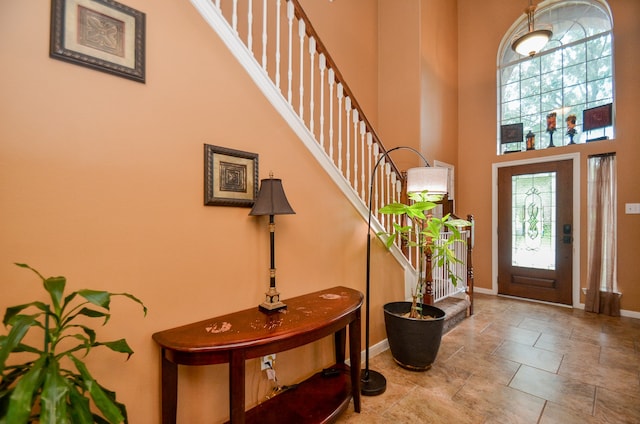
pixel 102 177
pixel 480 30
pixel 102 181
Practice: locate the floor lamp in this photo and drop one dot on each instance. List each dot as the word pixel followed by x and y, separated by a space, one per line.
pixel 434 180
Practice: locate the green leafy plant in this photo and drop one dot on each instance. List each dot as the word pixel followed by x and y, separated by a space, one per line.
pixel 45 389
pixel 424 232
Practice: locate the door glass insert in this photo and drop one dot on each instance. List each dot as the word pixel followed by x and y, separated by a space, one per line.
pixel 534 220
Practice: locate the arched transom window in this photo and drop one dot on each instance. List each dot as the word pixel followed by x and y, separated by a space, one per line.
pixel 572 74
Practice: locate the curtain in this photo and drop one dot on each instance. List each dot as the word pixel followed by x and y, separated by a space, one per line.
pixel 602 296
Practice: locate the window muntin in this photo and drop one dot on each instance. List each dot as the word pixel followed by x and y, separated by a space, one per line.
pixel 572 73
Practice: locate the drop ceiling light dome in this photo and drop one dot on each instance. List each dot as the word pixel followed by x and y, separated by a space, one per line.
pixel 531 42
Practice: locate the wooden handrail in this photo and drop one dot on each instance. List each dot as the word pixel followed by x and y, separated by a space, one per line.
pixel 320 48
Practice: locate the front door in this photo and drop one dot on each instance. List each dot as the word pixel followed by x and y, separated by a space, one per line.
pixel 535 216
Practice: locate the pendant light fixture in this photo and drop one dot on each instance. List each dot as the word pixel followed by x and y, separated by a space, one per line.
pixel 533 40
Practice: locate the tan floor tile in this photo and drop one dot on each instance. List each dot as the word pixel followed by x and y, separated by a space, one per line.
pixel 422 406
pixel 626 359
pixel 612 378
pixel 509 332
pixel 499 403
pixel 555 414
pixel 615 407
pixel 559 344
pixel 546 327
pixel 529 355
pixel 562 390
pixel 490 367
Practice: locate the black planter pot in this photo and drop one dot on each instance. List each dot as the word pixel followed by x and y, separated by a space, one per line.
pixel 414 343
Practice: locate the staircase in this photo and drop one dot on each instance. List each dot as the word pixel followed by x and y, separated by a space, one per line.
pixel 279 48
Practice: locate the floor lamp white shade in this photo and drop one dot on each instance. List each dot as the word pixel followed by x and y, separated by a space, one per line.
pixel 433 180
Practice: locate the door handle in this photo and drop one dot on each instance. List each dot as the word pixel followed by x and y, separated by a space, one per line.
pixel 566 229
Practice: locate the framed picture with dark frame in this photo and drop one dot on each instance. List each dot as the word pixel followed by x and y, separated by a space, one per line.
pixel 100 34
pixel 597 117
pixel 230 177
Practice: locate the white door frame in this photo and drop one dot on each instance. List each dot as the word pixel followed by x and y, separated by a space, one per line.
pixel 575 157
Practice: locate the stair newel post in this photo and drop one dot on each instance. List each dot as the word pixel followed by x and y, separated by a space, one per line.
pixel 470 241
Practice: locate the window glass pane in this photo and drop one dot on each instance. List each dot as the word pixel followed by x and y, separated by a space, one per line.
pixel 574 54
pixel 510 74
pixel 530 68
pixel 599 68
pixel 531 105
pixel 600 90
pixel 530 87
pixel 510 111
pixel 576 94
pixel 599 47
pixel 533 220
pixel 511 92
pixel 551 100
pixel 551 81
pixel 572 75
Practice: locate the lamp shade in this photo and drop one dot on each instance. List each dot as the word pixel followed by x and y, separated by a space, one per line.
pixel 432 179
pixel 271 199
pixel 531 42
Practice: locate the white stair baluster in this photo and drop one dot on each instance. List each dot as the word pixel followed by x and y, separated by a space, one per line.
pixel 370 167
pixel 332 80
pixel 356 118
pixel 290 16
pixel 363 132
pixel 322 63
pixel 250 27
pixel 278 29
pixel 234 16
pixel 301 34
pixel 264 34
pixel 347 110
pixel 312 55
pixel 340 94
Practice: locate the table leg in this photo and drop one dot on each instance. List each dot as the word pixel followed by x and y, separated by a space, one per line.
pixel 340 343
pixel 169 390
pixel 354 356
pixel 236 386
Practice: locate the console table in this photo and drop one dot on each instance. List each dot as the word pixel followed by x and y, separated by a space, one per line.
pixel 239 336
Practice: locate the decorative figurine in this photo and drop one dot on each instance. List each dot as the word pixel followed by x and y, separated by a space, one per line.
pixel 571 127
pixel 551 127
pixel 531 141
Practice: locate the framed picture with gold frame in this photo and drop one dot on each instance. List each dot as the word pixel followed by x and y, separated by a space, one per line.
pixel 230 177
pixel 100 34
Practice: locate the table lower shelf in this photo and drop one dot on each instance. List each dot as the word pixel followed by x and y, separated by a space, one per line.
pixel 318 399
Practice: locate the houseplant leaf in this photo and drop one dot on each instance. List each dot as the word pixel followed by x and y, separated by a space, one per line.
pixel 21 400
pixel 108 408
pixel 53 399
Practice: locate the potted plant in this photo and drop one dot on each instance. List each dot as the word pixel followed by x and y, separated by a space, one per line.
pixel 44 388
pixel 414 329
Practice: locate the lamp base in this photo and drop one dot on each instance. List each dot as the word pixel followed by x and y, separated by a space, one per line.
pixel 272 300
pixel 271 307
pixel 372 383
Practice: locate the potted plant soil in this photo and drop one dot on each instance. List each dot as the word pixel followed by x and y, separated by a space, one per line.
pixel 414 329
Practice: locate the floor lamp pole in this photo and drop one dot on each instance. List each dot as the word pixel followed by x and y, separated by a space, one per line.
pixel 373 383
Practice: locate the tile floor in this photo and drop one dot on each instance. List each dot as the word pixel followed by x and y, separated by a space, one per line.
pixel 517 362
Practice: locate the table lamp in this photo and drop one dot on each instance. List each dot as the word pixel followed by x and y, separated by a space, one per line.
pixel 271 201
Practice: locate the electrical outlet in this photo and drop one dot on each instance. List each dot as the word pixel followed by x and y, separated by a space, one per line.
pixel 632 208
pixel 267 362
